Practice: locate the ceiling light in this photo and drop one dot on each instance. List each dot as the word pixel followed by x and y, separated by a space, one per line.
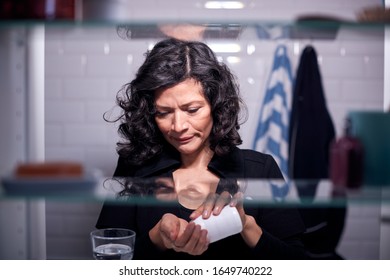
pixel 225 47
pixel 224 5
pixel 233 59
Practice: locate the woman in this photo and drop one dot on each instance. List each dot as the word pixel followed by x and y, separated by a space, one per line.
pixel 180 121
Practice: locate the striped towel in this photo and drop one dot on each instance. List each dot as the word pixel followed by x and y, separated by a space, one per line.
pixel 273 125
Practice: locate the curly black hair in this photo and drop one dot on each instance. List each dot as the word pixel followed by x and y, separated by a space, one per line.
pixel 170 62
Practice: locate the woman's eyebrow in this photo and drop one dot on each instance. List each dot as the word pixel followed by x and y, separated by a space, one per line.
pixel 162 106
pixel 191 103
pixel 188 104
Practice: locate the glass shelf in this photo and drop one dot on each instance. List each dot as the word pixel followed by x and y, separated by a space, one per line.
pixel 302 193
pixel 307 28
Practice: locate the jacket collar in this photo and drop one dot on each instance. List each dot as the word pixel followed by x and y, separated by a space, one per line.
pixel 228 166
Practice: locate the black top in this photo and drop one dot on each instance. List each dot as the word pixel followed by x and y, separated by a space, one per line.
pixel 282 227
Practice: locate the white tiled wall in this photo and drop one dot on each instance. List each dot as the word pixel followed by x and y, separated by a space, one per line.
pixel 85 67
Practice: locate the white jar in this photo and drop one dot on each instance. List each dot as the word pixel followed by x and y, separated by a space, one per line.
pixel 227 223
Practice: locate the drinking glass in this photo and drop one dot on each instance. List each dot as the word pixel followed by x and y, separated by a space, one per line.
pixel 113 244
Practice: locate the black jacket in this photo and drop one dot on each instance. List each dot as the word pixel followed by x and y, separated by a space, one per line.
pixel 281 227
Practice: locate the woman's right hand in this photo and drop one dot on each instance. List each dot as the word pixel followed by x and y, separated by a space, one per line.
pixel 174 233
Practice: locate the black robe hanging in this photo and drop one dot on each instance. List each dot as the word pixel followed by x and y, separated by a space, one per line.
pixel 310 136
pixel 311 127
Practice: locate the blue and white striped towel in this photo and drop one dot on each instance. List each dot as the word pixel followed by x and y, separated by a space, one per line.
pixel 273 125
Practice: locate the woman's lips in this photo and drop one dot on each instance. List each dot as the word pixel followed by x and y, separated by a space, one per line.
pixel 183 140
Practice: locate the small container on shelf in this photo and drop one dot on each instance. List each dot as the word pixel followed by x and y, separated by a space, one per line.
pixel 346 160
pixel 50 178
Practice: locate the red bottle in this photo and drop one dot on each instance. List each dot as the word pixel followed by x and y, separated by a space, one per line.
pixel 37 9
pixel 346 160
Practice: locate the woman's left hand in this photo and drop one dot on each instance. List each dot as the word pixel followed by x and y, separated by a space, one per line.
pixel 214 204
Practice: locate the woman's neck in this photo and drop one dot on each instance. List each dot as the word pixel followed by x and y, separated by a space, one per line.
pixel 197 160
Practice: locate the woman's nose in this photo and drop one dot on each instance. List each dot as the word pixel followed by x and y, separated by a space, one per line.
pixel 179 122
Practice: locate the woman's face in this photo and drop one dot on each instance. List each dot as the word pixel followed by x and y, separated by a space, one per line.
pixel 184 116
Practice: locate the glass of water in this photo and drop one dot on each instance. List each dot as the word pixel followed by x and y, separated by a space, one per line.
pixel 113 244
